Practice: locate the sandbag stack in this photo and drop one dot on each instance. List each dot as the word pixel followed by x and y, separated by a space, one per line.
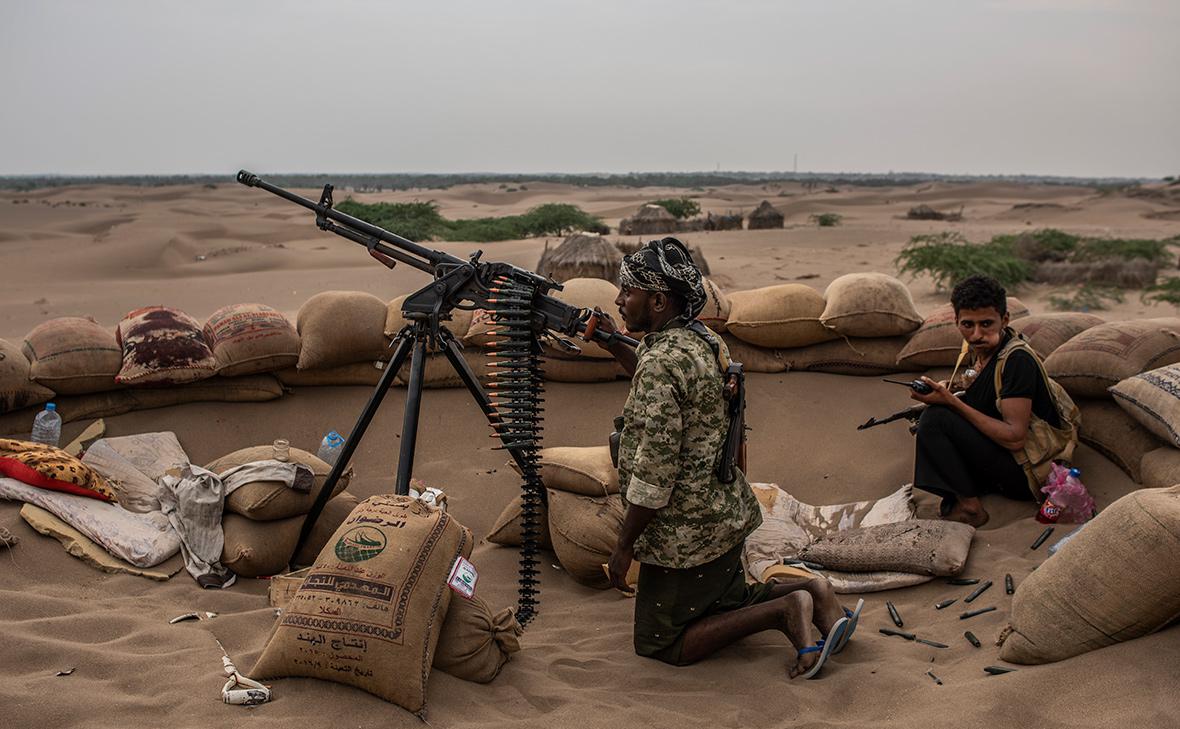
pixel 263 519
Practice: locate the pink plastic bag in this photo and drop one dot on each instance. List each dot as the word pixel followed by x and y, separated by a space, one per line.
pixel 1065 489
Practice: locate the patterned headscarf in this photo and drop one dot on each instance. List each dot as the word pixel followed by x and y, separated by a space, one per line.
pixel 666 265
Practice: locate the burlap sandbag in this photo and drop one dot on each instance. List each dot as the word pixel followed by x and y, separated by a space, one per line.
pixel 780 316
pixel 366 374
pixel 439 373
pixel 715 315
pixel 1109 430
pixel 587 293
pixel 869 305
pixel 1107 354
pixel 919 546
pixel 258 548
pixel 458 325
pixel 754 358
pixel 1160 468
pixel 1117 580
pixel 509 528
pixel 267 500
pixel 73 355
pixel 475 644
pixel 583 369
pixel 251 388
pixel 248 339
pixel 162 347
pixel 339 328
pixel 937 342
pixel 16 389
pixel 375 600
pixel 848 356
pixel 479 334
pixel 1046 332
pixel 1153 400
pixel 583 470
pixel 584 532
pixel 335 512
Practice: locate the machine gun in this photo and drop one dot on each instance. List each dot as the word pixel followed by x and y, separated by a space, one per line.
pixel 523 312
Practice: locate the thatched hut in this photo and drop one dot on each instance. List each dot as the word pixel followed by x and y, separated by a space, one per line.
pixel 698 256
pixel 649 220
pixel 765 217
pixel 925 212
pixel 729 221
pixel 581 255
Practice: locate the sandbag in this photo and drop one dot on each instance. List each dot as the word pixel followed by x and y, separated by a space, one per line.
pixel 458 325
pixel 339 328
pixel 582 369
pixel 588 293
pixel 715 315
pixel 584 531
pixel 869 305
pixel 335 512
pixel 937 342
pixel 251 388
pixel 508 531
pixel 1046 332
pixel 920 546
pixel 479 334
pixel 848 357
pixel 162 346
pixel 474 644
pixel 258 548
pixel 1160 468
pixel 267 500
pixel 16 389
pixel 754 358
pixel 1117 580
pixel 374 601
pixel 1109 430
pixel 248 339
pixel 358 373
pixel 73 355
pixel 1104 355
pixel 439 373
pixel 1153 400
pixel 780 316
pixel 586 471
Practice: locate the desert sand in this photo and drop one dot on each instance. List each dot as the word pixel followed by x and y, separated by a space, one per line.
pixel 104 250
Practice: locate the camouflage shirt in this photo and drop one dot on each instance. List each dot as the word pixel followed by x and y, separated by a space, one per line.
pixel 674 426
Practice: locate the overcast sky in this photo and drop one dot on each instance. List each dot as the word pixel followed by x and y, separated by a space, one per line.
pixel 1066 87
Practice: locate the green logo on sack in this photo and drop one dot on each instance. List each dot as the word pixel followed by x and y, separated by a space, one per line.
pixel 360 544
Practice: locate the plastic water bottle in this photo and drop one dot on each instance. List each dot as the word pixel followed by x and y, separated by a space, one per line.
pixel 47 426
pixel 330 448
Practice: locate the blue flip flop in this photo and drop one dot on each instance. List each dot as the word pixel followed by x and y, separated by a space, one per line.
pixel 853 617
pixel 824 647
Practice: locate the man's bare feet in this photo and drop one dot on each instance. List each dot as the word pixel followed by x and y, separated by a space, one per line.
pixel 827 609
pixel 797 616
pixel 968 511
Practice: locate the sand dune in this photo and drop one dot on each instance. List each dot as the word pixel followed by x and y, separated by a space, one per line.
pixel 577 668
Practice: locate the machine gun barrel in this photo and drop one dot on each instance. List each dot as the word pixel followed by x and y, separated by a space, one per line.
pixel 552 312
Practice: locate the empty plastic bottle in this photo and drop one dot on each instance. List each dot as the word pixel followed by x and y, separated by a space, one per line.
pixel 330 448
pixel 47 426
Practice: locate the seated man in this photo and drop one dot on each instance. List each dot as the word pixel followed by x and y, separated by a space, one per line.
pixel 684 525
pixel 1002 433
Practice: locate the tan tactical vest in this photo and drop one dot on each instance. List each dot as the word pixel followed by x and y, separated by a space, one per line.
pixel 1044 443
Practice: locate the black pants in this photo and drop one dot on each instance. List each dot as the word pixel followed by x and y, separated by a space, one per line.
pixel 954 459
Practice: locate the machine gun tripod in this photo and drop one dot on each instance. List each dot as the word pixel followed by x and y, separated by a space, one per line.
pixel 523 311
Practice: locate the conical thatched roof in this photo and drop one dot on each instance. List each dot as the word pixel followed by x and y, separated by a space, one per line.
pixel 765 216
pixel 581 255
pixel 653 212
pixel 648 220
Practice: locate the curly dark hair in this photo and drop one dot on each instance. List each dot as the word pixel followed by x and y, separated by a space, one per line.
pixel 979 292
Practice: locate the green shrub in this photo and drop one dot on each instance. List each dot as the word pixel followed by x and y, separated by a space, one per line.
pixel 1093 249
pixel 827 220
pixel 1166 291
pixel 1086 297
pixel 680 207
pixel 948 258
pixel 421 221
pixel 416 220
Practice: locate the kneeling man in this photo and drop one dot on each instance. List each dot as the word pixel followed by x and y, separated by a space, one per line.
pixel 683 524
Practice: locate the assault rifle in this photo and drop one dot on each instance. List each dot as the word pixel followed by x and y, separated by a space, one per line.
pixel 911 414
pixel 523 311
